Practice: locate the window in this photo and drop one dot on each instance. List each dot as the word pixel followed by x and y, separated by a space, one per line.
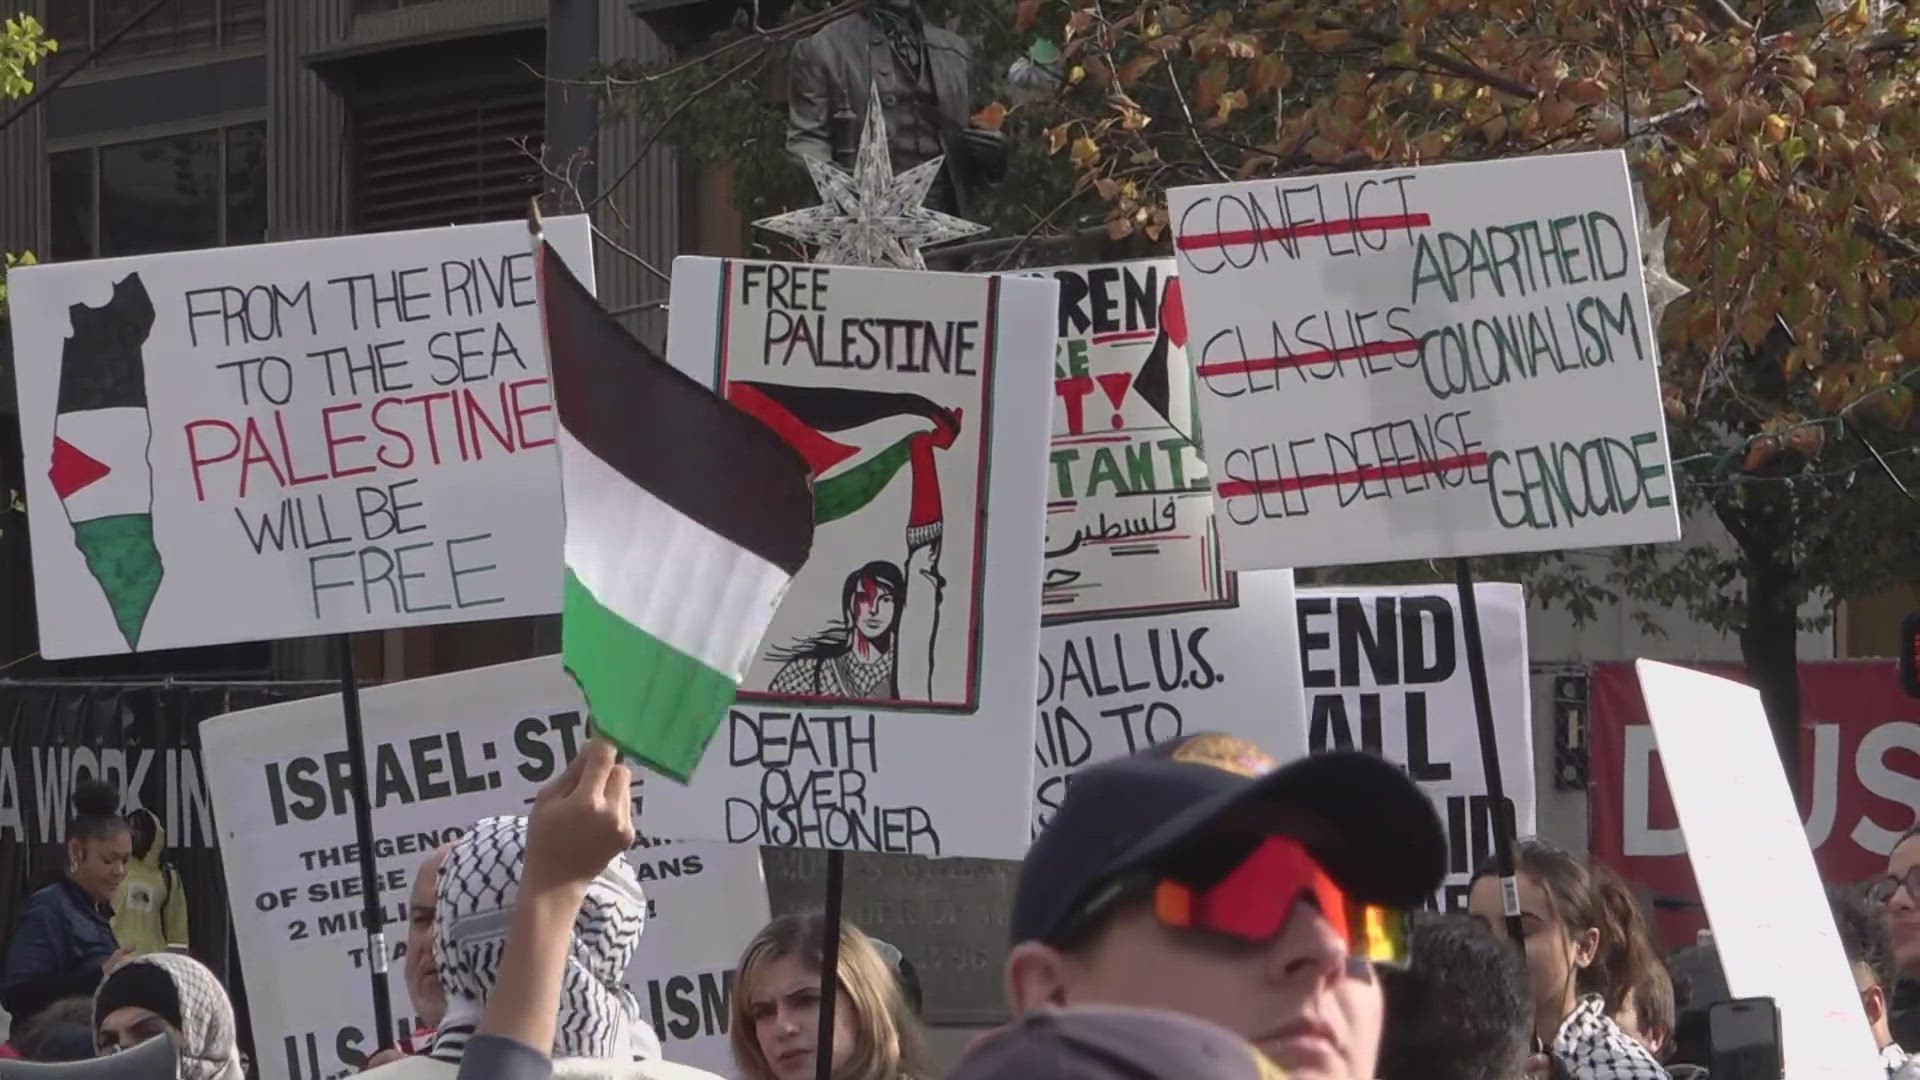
pixel 178 26
pixel 174 193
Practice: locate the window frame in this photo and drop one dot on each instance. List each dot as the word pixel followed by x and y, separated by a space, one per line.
pixel 115 64
pixel 93 144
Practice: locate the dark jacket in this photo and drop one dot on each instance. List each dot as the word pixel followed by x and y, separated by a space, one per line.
pixel 59 943
pixel 828 94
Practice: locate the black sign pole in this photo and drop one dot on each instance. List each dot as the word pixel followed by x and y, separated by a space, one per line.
pixel 829 963
pixel 370 916
pixel 1502 822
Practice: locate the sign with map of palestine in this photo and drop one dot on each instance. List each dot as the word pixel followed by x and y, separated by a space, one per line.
pixel 283 440
pixel 1429 362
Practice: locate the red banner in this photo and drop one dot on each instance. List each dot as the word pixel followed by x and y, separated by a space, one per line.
pixel 1860 757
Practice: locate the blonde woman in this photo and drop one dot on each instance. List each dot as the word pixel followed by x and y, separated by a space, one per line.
pixel 776 1010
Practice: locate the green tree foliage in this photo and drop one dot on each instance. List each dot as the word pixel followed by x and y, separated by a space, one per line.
pixel 23 44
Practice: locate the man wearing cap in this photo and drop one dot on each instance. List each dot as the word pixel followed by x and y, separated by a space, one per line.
pixel 1258 903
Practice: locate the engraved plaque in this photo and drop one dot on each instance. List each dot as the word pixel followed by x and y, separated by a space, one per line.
pixel 948 916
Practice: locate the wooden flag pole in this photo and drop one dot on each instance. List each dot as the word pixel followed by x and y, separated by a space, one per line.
pixel 1503 825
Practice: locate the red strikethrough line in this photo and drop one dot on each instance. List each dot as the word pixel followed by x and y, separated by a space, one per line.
pixel 1235 488
pixel 1318 356
pixel 1202 241
pixel 1121 336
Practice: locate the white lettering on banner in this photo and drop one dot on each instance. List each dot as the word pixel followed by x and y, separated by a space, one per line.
pixel 186 812
pixel 445 752
pixel 1870 762
pixel 1639 838
pixel 1386 671
pixel 318 443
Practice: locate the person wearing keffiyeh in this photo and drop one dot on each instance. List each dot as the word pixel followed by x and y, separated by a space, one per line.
pixel 166 993
pixel 600 1032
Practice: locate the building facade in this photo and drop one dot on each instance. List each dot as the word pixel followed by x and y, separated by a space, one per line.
pixel 222 122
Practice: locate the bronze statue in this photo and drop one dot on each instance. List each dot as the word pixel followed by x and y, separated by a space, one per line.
pixel 925 96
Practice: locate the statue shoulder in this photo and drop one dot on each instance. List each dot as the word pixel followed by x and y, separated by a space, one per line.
pixel 942 38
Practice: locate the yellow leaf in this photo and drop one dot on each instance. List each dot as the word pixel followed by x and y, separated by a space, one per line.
pixel 1269 73
pixel 1085 153
pixel 1131 71
pixel 1075 76
pixel 991 118
pixel 1230 101
pixel 1056 138
pixel 1211 84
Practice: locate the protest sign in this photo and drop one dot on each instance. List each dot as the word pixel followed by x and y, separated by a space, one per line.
pixel 443 752
pixel 1386 670
pixel 1146 635
pixel 284 440
pixel 1771 921
pixel 1859 765
pixel 1411 363
pixel 889 708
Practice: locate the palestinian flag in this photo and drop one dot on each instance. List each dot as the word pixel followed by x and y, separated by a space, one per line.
pixel 1154 383
pixel 101 437
pixel 686 521
pixel 856 441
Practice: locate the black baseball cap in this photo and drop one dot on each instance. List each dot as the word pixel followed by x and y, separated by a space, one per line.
pixel 1113 1044
pixel 1364 820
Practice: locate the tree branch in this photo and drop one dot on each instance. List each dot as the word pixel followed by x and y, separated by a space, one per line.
pixel 1452 65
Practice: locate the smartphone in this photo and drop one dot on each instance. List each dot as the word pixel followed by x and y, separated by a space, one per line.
pixel 1744 1039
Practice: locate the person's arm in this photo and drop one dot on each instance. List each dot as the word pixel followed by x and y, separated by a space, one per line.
pixel 809 104
pixel 174 919
pixel 36 974
pixel 580 822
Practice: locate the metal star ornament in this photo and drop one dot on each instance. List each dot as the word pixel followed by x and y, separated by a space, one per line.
pixel 870 217
pixel 1662 288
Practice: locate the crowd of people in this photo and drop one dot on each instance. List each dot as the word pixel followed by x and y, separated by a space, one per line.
pixel 1190 912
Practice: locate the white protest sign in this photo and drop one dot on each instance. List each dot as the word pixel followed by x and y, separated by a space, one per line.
pixel 890 708
pixel 284 440
pixel 1147 637
pixel 1770 916
pixel 1414 363
pixel 443 752
pixel 1386 670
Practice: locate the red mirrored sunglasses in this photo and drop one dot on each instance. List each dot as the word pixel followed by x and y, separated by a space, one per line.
pixel 1256 896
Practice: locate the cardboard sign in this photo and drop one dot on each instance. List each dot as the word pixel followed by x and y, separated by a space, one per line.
pixel 1147 636
pixel 1770 916
pixel 443 753
pixel 1386 670
pixel 284 440
pixel 889 708
pixel 1415 363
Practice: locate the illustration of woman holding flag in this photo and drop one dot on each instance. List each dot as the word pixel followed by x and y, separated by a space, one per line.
pixel 882 644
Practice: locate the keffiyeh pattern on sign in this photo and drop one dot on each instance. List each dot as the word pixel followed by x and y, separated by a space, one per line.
pixel 479 885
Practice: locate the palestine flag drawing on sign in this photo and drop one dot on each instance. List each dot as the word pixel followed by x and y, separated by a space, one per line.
pixel 686 521
pixel 101 436
pixel 855 441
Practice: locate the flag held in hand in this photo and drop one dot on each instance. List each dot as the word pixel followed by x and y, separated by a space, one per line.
pixel 686 521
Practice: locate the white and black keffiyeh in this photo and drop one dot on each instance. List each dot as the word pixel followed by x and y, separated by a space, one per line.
pixel 1894 1059
pixel 1593 1047
pixel 479 885
pixel 209 1037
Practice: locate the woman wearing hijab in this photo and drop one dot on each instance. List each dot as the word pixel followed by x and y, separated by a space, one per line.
pixel 599 1033
pixel 166 993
